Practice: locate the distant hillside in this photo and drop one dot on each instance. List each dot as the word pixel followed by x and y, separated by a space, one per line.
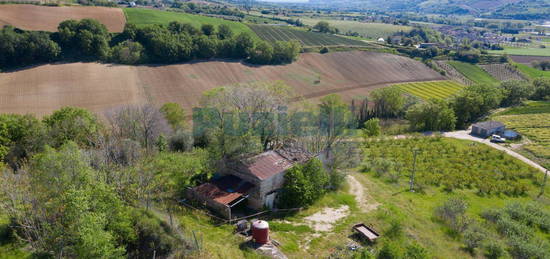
pixel 513 9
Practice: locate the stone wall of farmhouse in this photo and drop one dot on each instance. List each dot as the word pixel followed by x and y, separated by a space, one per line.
pixel 256 200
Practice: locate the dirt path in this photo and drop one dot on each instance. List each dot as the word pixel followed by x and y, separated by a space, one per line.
pixel 358 190
pixel 464 134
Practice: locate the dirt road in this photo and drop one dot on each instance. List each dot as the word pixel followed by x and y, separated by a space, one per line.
pixel 357 189
pixel 464 134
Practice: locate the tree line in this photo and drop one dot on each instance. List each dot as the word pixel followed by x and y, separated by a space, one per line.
pixel 89 40
pixel 457 112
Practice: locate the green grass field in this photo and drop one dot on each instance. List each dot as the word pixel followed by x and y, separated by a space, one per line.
pixel 473 72
pixel 534 51
pixel 366 30
pixel 428 90
pixel 532 120
pixel 139 16
pixel 284 33
pixel 532 72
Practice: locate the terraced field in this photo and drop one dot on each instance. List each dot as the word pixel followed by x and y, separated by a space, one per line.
pixel 473 72
pixel 429 90
pixel 284 33
pixel 503 72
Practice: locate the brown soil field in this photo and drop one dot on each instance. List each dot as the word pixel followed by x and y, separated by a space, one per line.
pixel 528 59
pixel 47 18
pixel 98 87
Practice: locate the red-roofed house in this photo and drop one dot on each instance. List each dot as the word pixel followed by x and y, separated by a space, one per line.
pixel 256 180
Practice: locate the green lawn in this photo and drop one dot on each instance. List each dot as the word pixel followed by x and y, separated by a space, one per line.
pixel 532 72
pixel 473 72
pixel 141 16
pixel 428 90
pixel 534 51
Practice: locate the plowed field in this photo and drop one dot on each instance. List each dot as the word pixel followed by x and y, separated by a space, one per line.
pixel 46 18
pixel 40 90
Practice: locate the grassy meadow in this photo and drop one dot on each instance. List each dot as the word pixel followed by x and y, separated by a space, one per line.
pixel 367 30
pixel 532 72
pixel 140 16
pixel 533 51
pixel 429 90
pixel 532 120
pixel 473 72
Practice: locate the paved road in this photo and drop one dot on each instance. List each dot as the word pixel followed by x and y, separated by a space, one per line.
pixel 464 134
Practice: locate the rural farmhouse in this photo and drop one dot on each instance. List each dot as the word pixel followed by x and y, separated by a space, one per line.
pixel 254 181
pixel 487 128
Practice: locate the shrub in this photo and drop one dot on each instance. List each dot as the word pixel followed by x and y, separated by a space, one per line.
pixel 494 249
pixel 452 212
pixel 415 251
pixel 128 52
pixel 473 237
pixel 304 184
pixel 324 50
pixel 390 250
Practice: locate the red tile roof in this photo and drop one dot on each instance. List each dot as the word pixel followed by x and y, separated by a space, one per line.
pixel 224 190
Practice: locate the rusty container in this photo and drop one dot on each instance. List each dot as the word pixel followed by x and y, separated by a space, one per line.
pixel 260 232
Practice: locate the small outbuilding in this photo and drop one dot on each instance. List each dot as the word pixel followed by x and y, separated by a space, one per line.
pixel 487 128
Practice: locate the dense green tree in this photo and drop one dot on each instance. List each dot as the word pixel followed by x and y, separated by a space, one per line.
pixel 515 92
pixel 205 47
pixel 128 52
pixel 208 29
pixel 371 128
pixel 224 32
pixel 542 88
pixel 20 137
pixel 19 48
pixel 285 51
pixel 244 44
pixel 475 101
pixel 179 27
pixel 388 102
pixel 86 37
pixel 434 115
pixel 72 124
pixel 325 27
pixel 304 184
pixel 262 53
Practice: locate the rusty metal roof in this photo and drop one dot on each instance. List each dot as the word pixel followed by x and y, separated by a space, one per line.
pixel 266 165
pixel 225 189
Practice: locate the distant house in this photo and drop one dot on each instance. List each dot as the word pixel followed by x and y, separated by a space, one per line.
pixel 381 40
pixel 255 181
pixel 427 45
pixel 487 128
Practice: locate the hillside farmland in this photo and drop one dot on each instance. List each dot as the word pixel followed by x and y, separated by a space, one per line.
pixel 98 87
pixel 367 30
pixel 502 72
pixel 283 33
pixel 47 18
pixel 140 16
pixel 473 72
pixel 429 90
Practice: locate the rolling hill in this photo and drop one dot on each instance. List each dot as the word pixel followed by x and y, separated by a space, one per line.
pixel 47 18
pixel 98 87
